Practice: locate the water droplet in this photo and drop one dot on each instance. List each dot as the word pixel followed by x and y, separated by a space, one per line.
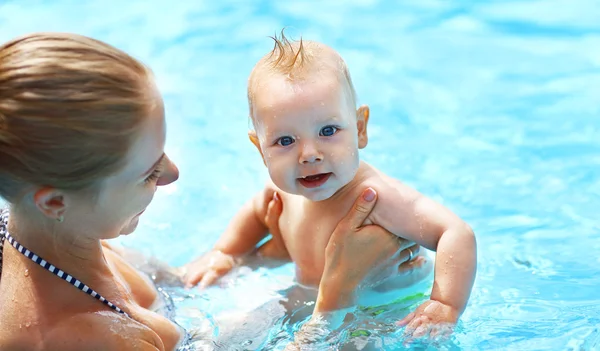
pixel 27 272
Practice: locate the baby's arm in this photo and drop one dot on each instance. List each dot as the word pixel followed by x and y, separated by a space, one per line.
pixel 244 232
pixel 404 211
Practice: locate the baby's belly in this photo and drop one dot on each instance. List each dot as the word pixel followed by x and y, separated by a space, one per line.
pixel 309 259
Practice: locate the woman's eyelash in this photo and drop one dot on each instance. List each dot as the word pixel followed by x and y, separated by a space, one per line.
pixel 153 176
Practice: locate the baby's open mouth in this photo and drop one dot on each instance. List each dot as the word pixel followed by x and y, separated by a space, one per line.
pixel 314 181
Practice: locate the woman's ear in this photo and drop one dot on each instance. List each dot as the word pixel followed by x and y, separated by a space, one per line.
pixel 51 202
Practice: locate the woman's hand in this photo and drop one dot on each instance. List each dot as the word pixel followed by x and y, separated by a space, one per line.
pixel 357 255
pixel 393 252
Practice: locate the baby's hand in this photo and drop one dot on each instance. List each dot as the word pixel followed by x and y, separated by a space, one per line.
pixel 208 268
pixel 431 319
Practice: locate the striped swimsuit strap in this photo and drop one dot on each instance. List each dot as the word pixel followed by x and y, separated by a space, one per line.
pixel 5 236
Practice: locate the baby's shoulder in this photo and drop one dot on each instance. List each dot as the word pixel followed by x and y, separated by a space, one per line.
pixel 382 182
pixel 394 197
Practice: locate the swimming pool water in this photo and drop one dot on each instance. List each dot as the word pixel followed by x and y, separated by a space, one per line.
pixel 491 108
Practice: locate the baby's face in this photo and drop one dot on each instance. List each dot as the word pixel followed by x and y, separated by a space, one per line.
pixel 308 135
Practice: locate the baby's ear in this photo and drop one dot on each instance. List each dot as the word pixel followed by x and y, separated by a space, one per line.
pixel 362 118
pixel 254 139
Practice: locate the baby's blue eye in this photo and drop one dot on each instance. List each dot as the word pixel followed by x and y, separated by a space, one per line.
pixel 328 131
pixel 285 141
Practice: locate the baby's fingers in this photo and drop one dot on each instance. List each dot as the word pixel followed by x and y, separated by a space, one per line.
pixel 414 324
pixel 208 279
pixel 192 278
pixel 416 329
pixel 423 329
pixel 441 331
pixel 406 319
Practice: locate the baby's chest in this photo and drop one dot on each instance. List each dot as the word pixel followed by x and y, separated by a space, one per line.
pixel 303 226
pixel 306 230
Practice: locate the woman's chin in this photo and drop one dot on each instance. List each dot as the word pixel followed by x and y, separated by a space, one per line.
pixel 131 227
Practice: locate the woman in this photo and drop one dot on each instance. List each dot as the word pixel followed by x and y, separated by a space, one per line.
pixel 82 134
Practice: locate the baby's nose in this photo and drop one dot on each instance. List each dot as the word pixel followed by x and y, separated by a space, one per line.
pixel 311 159
pixel 310 154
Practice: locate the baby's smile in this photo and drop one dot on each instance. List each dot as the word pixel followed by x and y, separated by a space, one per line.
pixel 315 180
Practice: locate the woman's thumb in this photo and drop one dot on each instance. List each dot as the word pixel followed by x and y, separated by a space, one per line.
pixel 362 208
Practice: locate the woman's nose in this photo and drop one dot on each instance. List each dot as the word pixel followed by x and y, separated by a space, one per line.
pixel 170 174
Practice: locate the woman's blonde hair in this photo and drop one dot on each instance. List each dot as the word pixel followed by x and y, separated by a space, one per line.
pixel 69 110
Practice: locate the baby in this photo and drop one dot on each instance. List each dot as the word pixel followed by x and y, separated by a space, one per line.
pixel 308 132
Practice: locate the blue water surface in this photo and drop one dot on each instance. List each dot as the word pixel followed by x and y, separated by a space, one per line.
pixel 491 108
